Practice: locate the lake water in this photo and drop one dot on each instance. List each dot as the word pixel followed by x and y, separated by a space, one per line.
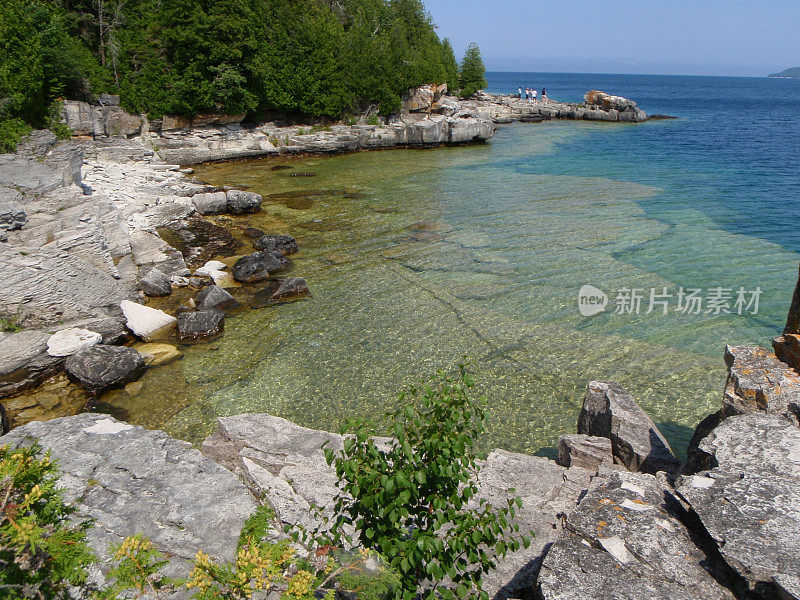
pixel 417 257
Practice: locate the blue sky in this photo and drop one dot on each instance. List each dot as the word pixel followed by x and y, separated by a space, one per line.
pixel 699 37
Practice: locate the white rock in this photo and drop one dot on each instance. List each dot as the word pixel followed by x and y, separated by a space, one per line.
pixel 147 323
pixel 615 546
pixel 108 427
pixel 69 341
pixel 212 265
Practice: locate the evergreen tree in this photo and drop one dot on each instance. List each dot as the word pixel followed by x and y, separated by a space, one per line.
pixel 472 76
pixel 450 66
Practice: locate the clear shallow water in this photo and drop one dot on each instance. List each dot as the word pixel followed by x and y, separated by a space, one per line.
pixel 417 257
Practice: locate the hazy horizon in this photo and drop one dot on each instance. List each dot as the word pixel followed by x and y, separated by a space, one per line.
pixel 716 37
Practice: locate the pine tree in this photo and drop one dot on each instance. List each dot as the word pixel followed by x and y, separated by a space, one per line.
pixel 450 65
pixel 473 73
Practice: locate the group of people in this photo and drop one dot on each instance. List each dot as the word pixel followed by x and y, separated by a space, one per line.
pixel 531 95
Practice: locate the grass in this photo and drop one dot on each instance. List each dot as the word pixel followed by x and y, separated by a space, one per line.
pixel 10 324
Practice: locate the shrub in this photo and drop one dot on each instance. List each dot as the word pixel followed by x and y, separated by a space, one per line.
pixel 373 120
pixel 11 132
pixel 414 501
pixel 41 554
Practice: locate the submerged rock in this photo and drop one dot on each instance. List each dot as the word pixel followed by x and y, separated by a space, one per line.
pixel 258 266
pixel 610 411
pixel 200 325
pixel 156 354
pixel 279 290
pixel 276 243
pixel 68 341
pixel 100 368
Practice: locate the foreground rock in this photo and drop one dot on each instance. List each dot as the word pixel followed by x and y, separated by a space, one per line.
pixel 285 463
pixel 278 291
pixel 622 541
pixel 133 481
pixel 240 202
pixel 101 368
pixel 748 498
pixel 611 412
pixel 155 284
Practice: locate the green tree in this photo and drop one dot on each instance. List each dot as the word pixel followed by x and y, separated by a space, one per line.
pixel 450 66
pixel 472 76
pixel 414 500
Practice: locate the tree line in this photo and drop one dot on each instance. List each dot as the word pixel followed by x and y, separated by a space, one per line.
pixel 323 58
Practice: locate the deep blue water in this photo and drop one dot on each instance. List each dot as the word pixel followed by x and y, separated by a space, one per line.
pixel 734 152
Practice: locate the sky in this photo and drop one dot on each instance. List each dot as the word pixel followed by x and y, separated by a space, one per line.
pixel 682 37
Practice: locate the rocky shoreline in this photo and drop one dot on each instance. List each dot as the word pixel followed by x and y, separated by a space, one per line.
pixel 112 216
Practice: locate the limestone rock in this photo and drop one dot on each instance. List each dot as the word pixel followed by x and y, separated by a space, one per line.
pixel 258 266
pixel 156 354
pixel 68 341
pixel 210 203
pixel 610 411
pixel 37 143
pixel 146 322
pixel 748 499
pixel 155 283
pixel 83 119
pixel 200 326
pixel 133 481
pixel 585 451
pixel 209 267
pixel 622 542
pixel 99 368
pixel 277 243
pixel 12 215
pixel 215 297
pixel 24 361
pixel 240 202
pixel 119 123
pixel 758 381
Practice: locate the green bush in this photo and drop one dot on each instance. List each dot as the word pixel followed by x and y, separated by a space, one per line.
pixel 41 554
pixel 414 501
pixel 11 132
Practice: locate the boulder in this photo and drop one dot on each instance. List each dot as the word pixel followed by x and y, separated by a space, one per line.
pixel 108 99
pixel 610 411
pixel 200 326
pixel 146 322
pixel 129 481
pixel 210 203
pixel 156 354
pixel 215 297
pixel 623 542
pixel 759 381
pixel 277 244
pixel 100 368
pixel 258 266
pixel 12 215
pixel 419 99
pixel 748 498
pixel 584 451
pixel 155 284
pixel 69 341
pixel 240 202
pixel 37 143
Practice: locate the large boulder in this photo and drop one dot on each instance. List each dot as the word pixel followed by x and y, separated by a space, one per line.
pixel 214 297
pixel 119 123
pixel 83 119
pixel 200 326
pixel 155 283
pixel 423 98
pixel 240 202
pixel 66 342
pixel 258 266
pixel 623 542
pixel 748 498
pixel 146 322
pixel 210 203
pixel 130 481
pixel 277 244
pixel 610 411
pixel 100 368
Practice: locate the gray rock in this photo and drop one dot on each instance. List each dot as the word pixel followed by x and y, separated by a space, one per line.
pixel 133 481
pixel 101 368
pixel 200 326
pixel 155 284
pixel 622 543
pixel 35 176
pixel 749 498
pixel 584 451
pixel 210 203
pixel 12 215
pixel 38 143
pixel 610 411
pixel 119 123
pixel 24 361
pixel 215 297
pixel 83 119
pixel 276 243
pixel 258 266
pixel 290 288
pixel 240 202
pixel 108 99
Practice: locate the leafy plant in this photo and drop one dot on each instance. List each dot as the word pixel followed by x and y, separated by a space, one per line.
pixel 42 555
pixel 136 567
pixel 11 132
pixel 373 120
pixel 414 500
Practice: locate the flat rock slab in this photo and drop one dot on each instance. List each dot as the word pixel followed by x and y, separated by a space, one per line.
pixel 284 462
pixel 750 501
pixel 24 361
pixel 610 411
pixel 100 368
pixel 621 543
pixel 131 480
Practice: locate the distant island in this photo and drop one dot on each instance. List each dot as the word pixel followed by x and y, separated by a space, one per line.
pixel 794 72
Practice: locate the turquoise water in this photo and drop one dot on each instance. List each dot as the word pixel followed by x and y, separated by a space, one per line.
pixel 417 257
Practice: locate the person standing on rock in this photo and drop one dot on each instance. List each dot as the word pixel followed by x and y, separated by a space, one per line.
pixel 519 94
pixel 533 95
pixel 544 94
